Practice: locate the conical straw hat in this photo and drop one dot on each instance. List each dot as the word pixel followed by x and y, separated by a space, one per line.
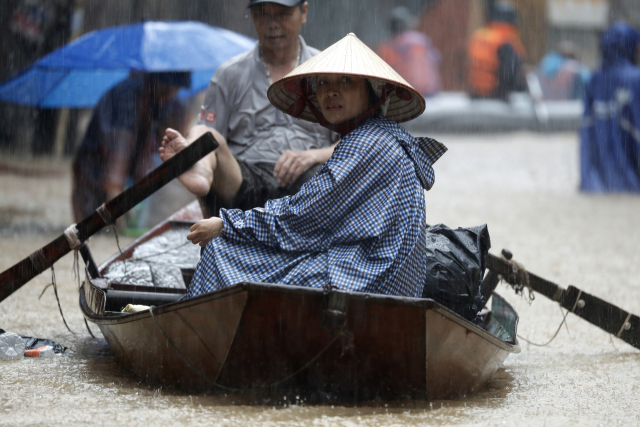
pixel 347 56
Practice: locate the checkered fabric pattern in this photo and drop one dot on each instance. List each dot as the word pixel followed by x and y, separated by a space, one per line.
pixel 358 224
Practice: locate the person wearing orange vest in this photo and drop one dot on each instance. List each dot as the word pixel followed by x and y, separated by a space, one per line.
pixel 496 56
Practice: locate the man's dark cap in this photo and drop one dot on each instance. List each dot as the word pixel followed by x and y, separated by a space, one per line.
pixel 288 3
pixel 172 78
pixel 504 12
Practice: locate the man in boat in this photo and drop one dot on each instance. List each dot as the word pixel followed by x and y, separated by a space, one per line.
pixel 359 223
pixel 123 135
pixel 263 154
pixel 496 56
pixel 610 134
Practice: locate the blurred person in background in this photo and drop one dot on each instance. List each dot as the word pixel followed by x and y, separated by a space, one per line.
pixel 264 153
pixel 610 134
pixel 124 135
pixel 30 29
pixel 411 54
pixel 496 56
pixel 561 75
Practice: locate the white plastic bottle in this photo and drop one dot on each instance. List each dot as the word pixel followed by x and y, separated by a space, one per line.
pixel 11 346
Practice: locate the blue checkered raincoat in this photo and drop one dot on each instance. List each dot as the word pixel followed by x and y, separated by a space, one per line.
pixel 357 225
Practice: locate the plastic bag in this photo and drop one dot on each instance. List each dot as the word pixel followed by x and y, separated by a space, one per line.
pixel 36 343
pixel 455 268
pixel 31 343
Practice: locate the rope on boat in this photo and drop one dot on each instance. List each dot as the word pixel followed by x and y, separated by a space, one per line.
pixel 518 278
pixel 71 234
pixel 624 326
pixel 55 291
pixel 103 212
pixel 40 263
pixel 124 261
pixel 564 318
pixel 215 384
pixel 87 325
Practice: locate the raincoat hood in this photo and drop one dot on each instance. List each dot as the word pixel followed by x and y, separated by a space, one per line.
pixel 423 152
pixel 619 43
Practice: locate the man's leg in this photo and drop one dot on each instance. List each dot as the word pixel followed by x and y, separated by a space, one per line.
pixel 258 185
pixel 218 171
pixel 227 176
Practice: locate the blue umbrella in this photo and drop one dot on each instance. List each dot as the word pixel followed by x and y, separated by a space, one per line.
pixel 78 74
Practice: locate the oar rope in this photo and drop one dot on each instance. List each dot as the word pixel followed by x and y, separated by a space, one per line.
pixel 106 217
pixel 71 234
pixel 518 278
pixel 215 384
pixel 564 319
pixel 55 291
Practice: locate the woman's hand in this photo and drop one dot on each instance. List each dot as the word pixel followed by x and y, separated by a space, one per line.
pixel 202 232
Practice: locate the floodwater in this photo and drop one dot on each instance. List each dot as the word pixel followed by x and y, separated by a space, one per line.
pixel 522 185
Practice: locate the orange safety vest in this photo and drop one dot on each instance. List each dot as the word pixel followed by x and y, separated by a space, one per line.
pixel 482 72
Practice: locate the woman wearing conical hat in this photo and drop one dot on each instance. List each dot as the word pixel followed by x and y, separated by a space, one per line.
pixel 359 223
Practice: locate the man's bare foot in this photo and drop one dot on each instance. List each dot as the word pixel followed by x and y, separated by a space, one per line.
pixel 172 143
pixel 199 178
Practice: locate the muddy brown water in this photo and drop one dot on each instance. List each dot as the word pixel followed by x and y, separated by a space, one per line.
pixel 524 186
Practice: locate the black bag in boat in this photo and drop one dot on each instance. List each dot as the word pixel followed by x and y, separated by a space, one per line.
pixel 455 267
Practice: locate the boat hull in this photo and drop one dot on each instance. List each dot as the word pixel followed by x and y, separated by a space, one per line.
pixel 253 337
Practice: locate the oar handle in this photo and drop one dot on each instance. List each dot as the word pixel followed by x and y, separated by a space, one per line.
pixel 25 270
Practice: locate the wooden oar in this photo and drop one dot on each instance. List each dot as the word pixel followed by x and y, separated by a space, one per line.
pixel 594 310
pixel 16 276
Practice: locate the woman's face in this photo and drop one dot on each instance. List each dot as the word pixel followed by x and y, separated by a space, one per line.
pixel 342 97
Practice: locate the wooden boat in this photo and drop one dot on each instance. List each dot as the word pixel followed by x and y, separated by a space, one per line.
pixel 256 336
pixel 456 112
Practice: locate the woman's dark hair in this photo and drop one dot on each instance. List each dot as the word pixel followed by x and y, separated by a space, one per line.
pixel 373 99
